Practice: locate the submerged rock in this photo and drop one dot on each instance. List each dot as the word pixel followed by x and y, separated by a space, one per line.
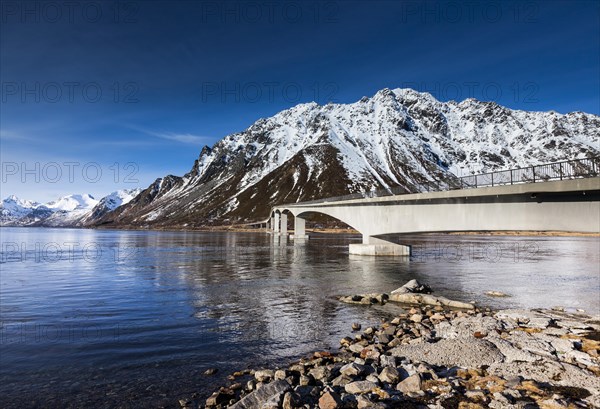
pixel 496 294
pixel 366 299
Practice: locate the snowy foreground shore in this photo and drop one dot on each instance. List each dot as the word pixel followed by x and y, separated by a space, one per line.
pixel 436 357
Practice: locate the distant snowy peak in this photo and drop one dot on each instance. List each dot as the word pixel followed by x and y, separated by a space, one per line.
pixel 12 208
pixel 119 198
pixel 14 203
pixel 73 202
pixel 67 211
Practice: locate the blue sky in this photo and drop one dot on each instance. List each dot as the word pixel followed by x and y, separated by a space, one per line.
pixel 141 86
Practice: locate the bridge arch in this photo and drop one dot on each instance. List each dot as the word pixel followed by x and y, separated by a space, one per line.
pixel 306 214
pixel 300 215
pixel 370 243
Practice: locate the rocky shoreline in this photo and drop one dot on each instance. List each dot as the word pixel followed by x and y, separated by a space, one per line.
pixel 436 357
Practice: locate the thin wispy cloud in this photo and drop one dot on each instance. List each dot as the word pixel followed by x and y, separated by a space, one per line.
pixel 7 135
pixel 124 143
pixel 183 138
pixel 177 137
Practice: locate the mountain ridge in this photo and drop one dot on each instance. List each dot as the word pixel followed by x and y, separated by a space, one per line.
pixel 397 138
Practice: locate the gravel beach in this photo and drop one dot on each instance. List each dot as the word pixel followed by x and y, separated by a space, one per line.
pixel 436 357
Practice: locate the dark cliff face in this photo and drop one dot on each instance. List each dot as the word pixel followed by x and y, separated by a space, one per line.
pixel 398 138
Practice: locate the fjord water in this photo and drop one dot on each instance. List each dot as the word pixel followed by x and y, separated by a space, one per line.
pixel 98 318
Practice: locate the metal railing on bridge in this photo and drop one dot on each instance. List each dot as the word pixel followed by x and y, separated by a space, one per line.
pixel 570 169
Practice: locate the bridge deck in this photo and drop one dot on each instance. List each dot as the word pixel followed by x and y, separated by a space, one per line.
pixel 570 185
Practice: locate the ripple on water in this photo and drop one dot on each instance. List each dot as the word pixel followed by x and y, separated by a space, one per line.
pixel 142 328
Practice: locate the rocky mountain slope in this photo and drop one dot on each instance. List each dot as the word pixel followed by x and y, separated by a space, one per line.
pixel 68 211
pixel 395 138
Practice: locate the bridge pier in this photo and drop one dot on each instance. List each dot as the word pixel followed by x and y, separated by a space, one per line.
pixel 299 229
pixel 283 224
pixel 275 223
pixel 372 246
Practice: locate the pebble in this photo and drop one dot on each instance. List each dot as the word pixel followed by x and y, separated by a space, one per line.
pixel 389 374
pixel 416 317
pixel 360 387
pixel 304 380
pixel 372 378
pixel 290 400
pixel 352 369
pixel 330 400
pixel 437 317
pixel 264 375
pixel 280 374
pixel 386 360
pixel 410 384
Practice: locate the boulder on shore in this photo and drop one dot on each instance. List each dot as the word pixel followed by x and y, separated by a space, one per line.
pixel 428 299
pixel 414 287
pixel 413 292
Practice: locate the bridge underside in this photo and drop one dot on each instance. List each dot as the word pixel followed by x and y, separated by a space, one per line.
pixel 570 206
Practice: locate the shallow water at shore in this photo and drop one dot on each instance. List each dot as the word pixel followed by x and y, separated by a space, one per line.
pixel 132 318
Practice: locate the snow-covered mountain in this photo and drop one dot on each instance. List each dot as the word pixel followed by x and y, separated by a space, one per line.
pixel 14 208
pixel 109 203
pixel 73 202
pixel 68 211
pixel 395 138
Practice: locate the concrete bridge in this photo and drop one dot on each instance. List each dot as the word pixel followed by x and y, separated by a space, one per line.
pixel 570 205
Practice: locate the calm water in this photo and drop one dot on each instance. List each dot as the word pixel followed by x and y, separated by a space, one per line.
pixel 123 318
